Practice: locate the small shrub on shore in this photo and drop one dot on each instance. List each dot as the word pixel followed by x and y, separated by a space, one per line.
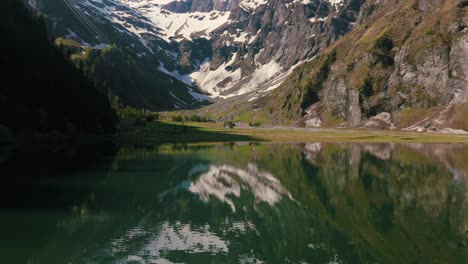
pixel 229 124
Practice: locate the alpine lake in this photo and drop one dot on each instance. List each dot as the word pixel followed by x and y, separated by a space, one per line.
pixel 237 202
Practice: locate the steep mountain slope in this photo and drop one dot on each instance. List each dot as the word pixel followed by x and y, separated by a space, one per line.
pixel 225 47
pixel 409 59
pixel 262 40
pixel 41 92
pixel 113 57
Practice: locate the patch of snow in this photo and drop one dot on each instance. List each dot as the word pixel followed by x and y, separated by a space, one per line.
pixel 314 122
pixel 178 102
pixel 336 2
pixel 97 1
pixel 101 46
pixel 198 96
pixel 143 42
pixel 250 5
pixel 72 34
pixel 242 38
pixel 183 78
pixel 315 19
pixel 209 79
pixel 119 30
pixel 304 2
pixel 176 25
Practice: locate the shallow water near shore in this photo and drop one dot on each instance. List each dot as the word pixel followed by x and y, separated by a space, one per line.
pixel 236 203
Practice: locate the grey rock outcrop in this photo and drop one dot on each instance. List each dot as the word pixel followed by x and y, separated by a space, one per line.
pixel 394 68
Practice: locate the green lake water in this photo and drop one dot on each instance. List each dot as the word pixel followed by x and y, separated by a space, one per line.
pixel 236 203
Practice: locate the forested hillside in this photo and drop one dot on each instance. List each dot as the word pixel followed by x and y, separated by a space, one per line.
pixel 41 91
pixel 123 64
pixel 135 82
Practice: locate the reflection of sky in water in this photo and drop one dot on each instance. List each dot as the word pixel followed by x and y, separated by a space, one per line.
pixel 224 181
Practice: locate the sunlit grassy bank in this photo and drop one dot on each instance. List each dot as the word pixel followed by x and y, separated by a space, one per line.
pixel 163 131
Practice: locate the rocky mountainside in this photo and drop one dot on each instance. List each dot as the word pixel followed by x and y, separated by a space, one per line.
pixel 260 42
pixel 404 66
pixel 368 63
pixel 224 47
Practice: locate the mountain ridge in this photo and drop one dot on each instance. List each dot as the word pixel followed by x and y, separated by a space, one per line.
pixel 295 62
pixel 226 48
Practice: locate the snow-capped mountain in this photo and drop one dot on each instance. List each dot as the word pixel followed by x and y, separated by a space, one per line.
pixel 225 47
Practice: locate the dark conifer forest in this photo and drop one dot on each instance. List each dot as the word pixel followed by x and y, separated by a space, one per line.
pixel 41 91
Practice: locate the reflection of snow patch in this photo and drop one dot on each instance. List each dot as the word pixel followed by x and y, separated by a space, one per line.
pixel 169 237
pixel 311 150
pixel 224 182
pixel 183 237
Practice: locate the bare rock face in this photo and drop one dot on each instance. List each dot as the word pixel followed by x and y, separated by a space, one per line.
pixel 343 101
pixel 429 73
pixel 458 69
pixel 337 98
pixel 425 5
pixel 401 56
pixel 354 108
pixel 438 76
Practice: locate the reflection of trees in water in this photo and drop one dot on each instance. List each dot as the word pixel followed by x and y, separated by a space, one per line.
pixel 409 200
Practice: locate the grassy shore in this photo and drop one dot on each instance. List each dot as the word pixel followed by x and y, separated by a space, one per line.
pixel 162 131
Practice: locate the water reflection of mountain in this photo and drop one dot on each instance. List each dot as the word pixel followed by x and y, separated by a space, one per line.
pixel 389 201
pixel 311 203
pixel 405 202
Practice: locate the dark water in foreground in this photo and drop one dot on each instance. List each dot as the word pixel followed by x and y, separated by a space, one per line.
pixel 236 203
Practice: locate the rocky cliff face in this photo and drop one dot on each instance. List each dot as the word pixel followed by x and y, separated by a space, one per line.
pixel 263 40
pixel 406 58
